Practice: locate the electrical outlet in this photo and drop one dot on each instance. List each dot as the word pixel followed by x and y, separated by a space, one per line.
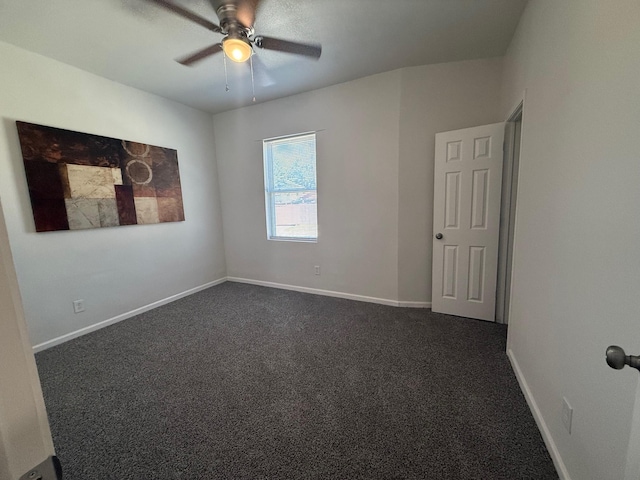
pixel 78 306
pixel 567 414
pixel 316 269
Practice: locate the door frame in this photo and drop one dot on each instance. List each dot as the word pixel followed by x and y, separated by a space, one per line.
pixel 25 437
pixel 508 210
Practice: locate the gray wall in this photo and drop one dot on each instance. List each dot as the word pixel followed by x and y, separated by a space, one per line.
pixel 435 98
pixel 357 172
pixel 375 177
pixel 576 271
pixel 115 270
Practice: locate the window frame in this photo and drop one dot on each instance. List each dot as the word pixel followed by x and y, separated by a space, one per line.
pixel 270 192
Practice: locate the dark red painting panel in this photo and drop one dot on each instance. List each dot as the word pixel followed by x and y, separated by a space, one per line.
pixel 49 214
pixel 56 145
pixel 139 172
pixel 126 205
pixel 44 180
pixel 167 178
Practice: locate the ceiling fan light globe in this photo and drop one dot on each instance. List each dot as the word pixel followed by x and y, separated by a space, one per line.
pixel 237 49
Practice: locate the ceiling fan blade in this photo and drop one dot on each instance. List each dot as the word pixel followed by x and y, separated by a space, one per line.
pixel 189 15
pixel 306 49
pixel 201 54
pixel 247 12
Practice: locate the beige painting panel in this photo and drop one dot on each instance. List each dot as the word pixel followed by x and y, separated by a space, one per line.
pixel 117 176
pixel 146 210
pixel 108 209
pixel 86 181
pixel 82 213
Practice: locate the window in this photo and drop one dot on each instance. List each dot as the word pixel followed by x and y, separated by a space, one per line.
pixel 290 187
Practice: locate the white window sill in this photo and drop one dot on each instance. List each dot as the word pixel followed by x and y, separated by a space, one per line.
pixel 293 239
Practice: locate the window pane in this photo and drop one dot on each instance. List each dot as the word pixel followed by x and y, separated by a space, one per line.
pixel 290 186
pixel 296 214
pixel 294 164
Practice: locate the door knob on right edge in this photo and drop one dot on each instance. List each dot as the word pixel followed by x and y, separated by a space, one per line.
pixel 616 358
pixel 439 236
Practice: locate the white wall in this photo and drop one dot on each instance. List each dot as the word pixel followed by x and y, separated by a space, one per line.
pixel 115 270
pixel 375 177
pixel 435 98
pixel 576 265
pixel 357 173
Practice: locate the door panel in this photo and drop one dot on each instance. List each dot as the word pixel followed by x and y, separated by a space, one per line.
pixel 450 271
pixel 452 200
pixel 468 176
pixel 632 471
pixel 476 274
pixel 479 199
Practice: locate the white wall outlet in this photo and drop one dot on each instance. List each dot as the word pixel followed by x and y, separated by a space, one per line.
pixel 78 306
pixel 316 269
pixel 567 414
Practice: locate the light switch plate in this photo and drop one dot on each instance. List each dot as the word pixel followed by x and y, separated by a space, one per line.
pixel 78 306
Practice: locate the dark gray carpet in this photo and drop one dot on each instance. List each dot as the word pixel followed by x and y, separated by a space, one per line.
pixel 247 382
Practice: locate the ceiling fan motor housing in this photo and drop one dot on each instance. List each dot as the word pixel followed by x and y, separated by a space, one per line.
pixel 229 23
pixel 236 44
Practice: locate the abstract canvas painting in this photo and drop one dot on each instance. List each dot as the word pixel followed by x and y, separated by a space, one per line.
pixel 77 180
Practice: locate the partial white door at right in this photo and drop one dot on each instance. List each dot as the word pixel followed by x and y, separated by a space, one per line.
pixel 466 220
pixel 633 453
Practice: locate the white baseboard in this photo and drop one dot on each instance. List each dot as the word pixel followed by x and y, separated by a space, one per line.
pixel 401 303
pixel 105 323
pixel 331 293
pixel 561 468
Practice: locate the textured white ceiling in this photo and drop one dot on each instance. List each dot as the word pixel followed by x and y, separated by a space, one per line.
pixel 135 42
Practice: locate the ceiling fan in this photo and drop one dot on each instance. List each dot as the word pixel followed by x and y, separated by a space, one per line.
pixel 236 25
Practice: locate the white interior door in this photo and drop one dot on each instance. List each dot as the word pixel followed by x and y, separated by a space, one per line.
pixel 632 471
pixel 25 439
pixel 466 221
